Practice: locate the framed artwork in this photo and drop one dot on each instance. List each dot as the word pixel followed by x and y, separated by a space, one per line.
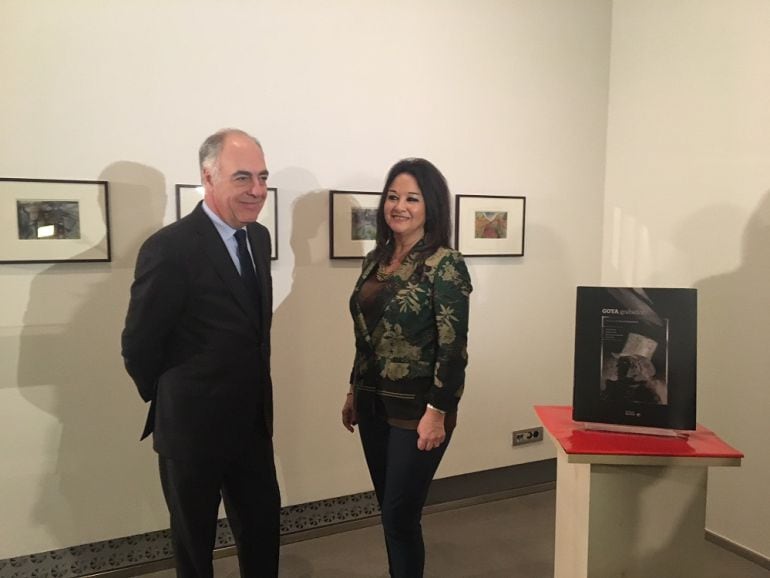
pixel 352 223
pixel 49 221
pixel 188 197
pixel 489 226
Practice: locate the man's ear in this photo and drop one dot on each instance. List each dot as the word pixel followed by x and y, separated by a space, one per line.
pixel 207 179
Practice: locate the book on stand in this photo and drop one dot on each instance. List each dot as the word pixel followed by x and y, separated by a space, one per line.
pixel 635 359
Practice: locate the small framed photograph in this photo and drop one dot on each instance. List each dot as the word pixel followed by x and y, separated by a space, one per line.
pixel 489 226
pixel 48 221
pixel 188 197
pixel 352 223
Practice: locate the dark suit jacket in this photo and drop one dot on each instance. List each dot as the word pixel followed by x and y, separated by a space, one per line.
pixel 195 343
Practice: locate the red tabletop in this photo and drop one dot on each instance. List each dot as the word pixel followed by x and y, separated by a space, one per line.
pixel 575 439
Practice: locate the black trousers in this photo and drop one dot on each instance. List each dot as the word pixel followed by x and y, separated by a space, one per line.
pixel 401 474
pixel 249 487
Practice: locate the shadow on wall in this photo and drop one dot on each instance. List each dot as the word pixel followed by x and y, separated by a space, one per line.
pixel 312 350
pixel 734 360
pixel 102 480
pixel 733 352
pixel 714 251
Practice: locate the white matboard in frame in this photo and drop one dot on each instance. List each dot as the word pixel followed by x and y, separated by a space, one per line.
pixel 489 225
pixel 352 223
pixel 49 221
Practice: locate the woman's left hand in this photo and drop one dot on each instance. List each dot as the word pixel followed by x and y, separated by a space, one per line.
pixel 349 417
pixel 430 430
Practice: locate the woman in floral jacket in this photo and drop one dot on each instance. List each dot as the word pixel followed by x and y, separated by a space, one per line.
pixel 410 316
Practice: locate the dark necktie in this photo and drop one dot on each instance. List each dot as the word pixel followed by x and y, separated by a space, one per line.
pixel 248 274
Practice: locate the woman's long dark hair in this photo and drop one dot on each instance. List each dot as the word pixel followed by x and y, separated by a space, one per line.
pixel 435 194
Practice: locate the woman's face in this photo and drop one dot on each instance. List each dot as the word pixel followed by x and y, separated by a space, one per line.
pixel 404 208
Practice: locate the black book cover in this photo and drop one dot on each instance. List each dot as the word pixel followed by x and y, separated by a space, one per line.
pixel 635 357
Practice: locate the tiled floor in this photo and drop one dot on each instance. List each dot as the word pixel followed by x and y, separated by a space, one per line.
pixel 506 539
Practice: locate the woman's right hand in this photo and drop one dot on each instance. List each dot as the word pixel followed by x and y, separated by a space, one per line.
pixel 349 417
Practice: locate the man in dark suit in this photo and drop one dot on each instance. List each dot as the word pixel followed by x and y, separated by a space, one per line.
pixel 197 345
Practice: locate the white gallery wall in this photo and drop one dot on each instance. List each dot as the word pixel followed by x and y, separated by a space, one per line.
pixel 506 97
pixel 687 204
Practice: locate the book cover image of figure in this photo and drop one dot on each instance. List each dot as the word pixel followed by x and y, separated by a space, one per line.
pixel 635 355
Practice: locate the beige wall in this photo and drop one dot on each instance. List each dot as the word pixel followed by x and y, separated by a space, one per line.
pixel 505 97
pixel 687 203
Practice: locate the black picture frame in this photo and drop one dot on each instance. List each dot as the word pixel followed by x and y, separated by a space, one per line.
pixel 490 225
pixel 187 198
pixel 54 221
pixel 352 223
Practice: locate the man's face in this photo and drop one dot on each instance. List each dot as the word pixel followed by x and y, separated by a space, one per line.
pixel 237 190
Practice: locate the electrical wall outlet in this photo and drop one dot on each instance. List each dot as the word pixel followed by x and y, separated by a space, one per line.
pixel 527 436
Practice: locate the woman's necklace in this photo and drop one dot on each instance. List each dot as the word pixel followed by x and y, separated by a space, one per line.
pixel 384 273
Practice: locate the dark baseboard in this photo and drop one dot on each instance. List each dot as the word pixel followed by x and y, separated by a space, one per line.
pixel 494 481
pixel 742 551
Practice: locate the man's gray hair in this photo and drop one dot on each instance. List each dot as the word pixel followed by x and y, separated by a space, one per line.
pixel 208 154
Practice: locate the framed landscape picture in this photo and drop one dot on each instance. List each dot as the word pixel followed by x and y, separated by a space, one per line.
pixel 48 221
pixel 188 197
pixel 489 225
pixel 352 223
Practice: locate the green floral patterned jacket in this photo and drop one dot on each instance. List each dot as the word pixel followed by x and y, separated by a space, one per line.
pixel 416 353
